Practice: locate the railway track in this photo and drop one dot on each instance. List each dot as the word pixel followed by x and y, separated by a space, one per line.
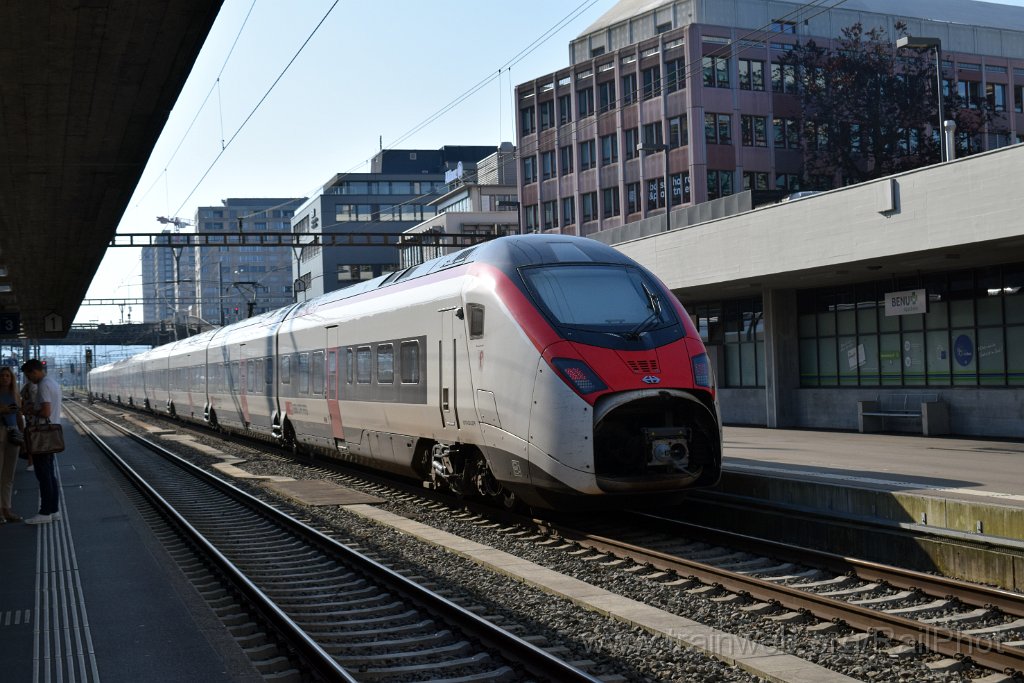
pixel 340 614
pixel 964 621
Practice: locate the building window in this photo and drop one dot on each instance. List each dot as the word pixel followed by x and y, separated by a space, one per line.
pixel 755 180
pixel 751 74
pixel 546 114
pixel 633 198
pixel 718 129
pixel 784 78
pixel 970 93
pixel 656 193
pixel 585 102
pixel 719 184
pixel 588 207
pixel 786 133
pixel 529 170
pixel 787 182
pixel 678 134
pixel 680 188
pixel 675 75
pixel 754 130
pixel 737 328
pixel 566 154
pixel 568 210
pixel 652 82
pixel 530 217
pixel 652 134
pixel 606 96
pixel 547 164
pixel 610 202
pixel 588 158
pixel 609 149
pixel 995 95
pixel 780 26
pixel 1018 99
pixel 716 72
pixel 629 89
pixel 550 214
pixel 631 138
pixel 527 123
pixel 564 109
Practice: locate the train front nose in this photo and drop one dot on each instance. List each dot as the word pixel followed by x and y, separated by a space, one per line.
pixel 657 435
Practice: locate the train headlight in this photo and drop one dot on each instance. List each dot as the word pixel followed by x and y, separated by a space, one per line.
pixel 578 375
pixel 702 371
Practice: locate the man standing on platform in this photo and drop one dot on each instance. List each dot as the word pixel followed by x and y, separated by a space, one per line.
pixel 47 406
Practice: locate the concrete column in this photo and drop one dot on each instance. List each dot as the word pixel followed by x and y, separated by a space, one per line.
pixel 781 357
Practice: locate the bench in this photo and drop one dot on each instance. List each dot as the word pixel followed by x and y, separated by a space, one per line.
pixel 932 412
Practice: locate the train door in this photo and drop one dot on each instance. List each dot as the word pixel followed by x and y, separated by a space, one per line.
pixel 333 407
pixel 245 376
pixel 455 395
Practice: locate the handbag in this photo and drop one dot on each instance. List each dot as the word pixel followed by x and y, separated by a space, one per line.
pixel 44 437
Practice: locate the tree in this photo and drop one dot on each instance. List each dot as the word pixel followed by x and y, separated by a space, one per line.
pixel 869 110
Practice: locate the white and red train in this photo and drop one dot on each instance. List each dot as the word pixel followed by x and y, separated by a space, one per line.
pixel 547 369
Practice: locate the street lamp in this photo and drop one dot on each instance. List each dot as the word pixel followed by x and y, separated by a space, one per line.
pixel 922 43
pixel 651 147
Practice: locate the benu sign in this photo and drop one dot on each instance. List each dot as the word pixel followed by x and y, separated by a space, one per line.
pixel 905 303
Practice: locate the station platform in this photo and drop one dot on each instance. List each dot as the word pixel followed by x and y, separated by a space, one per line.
pixel 95 596
pixel 862 494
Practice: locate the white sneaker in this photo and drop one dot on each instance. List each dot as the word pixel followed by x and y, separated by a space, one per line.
pixel 30 469
pixel 56 516
pixel 39 519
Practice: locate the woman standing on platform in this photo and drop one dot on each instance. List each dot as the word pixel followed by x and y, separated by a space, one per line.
pixel 11 421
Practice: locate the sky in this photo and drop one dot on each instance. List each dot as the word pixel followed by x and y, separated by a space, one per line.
pixel 371 73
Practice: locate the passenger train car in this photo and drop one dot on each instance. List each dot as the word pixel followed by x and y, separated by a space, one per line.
pixel 546 369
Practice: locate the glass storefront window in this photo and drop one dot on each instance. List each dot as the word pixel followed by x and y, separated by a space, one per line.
pixel 991 357
pixel 971 335
pixel 938 357
pixel 965 357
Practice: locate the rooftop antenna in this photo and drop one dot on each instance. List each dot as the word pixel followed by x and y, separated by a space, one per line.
pixel 380 142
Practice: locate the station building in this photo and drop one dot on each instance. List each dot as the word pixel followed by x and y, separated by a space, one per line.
pixel 904 286
pixel 394 196
pixel 231 279
pixel 481 200
pixel 700 85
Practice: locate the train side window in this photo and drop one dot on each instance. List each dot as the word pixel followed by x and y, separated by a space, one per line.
pixel 268 366
pixel 476 321
pixel 386 363
pixel 234 375
pixel 286 369
pixel 410 362
pixel 258 375
pixel 350 365
pixel 318 373
pixel 363 365
pixel 250 376
pixel 303 372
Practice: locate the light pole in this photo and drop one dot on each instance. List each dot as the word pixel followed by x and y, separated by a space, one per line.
pixel 922 43
pixel 650 147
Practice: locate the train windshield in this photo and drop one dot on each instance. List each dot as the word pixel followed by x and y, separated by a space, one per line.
pixel 601 298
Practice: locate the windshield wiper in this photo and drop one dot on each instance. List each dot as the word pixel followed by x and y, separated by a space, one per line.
pixel 649 321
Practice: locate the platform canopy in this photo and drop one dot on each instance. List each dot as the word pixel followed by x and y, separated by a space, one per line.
pixel 85 89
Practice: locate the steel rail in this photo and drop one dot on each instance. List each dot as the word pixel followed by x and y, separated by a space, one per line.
pixel 310 653
pixel 987 653
pixel 534 659
pixel 909 579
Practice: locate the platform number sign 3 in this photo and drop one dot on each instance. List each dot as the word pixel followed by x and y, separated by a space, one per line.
pixel 10 323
